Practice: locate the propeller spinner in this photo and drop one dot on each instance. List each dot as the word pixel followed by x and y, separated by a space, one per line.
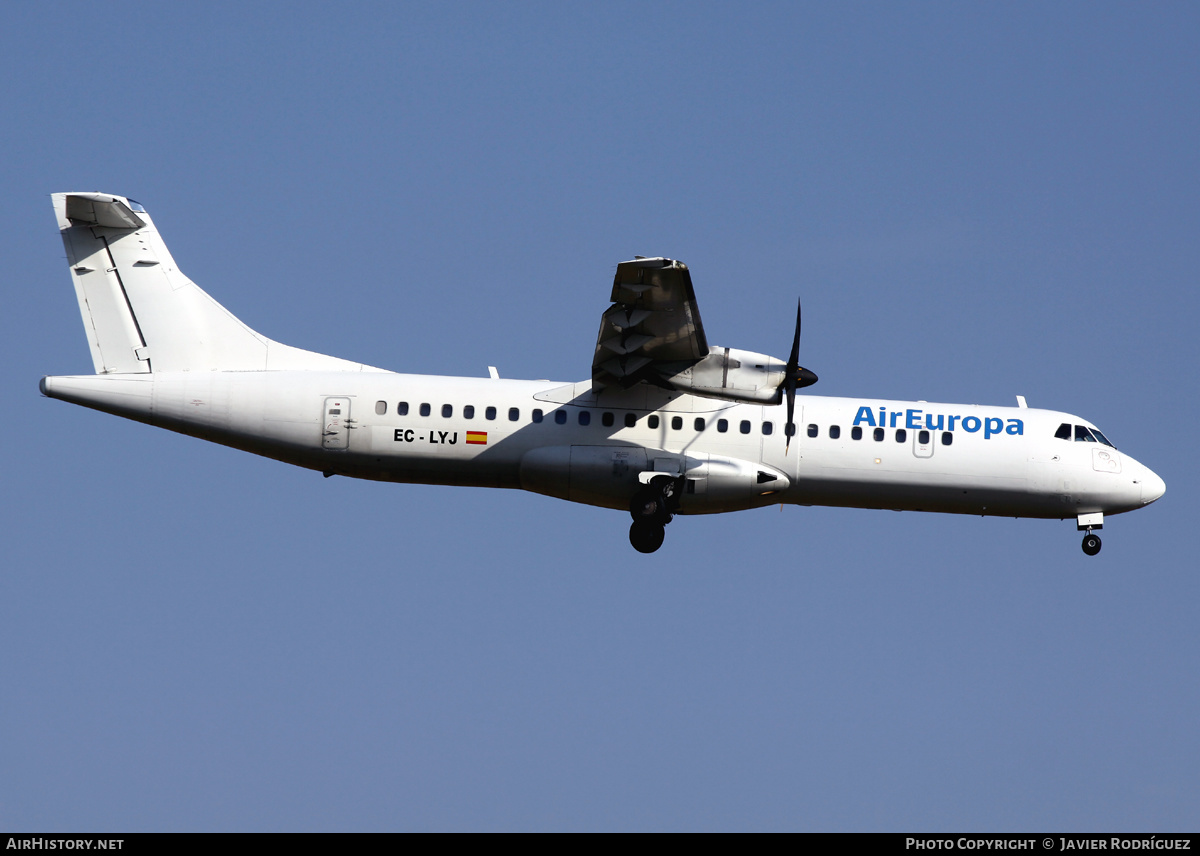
pixel 794 377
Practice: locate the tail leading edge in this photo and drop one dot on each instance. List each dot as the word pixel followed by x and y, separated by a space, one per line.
pixel 140 312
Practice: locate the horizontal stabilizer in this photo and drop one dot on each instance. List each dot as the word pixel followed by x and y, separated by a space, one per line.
pixel 100 209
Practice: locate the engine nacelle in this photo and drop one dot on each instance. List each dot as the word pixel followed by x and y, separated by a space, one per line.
pixel 733 375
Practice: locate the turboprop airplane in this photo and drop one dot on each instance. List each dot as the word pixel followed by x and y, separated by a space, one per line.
pixel 666 425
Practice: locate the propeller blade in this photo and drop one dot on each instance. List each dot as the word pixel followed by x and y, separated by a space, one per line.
pixel 794 358
pixel 789 382
pixel 788 427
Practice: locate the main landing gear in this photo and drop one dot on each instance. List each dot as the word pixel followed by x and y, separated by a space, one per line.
pixel 652 508
pixel 1091 543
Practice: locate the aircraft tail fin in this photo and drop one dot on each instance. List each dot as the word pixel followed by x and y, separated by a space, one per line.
pixel 140 312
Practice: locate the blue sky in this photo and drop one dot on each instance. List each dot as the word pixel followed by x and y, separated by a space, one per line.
pixel 972 201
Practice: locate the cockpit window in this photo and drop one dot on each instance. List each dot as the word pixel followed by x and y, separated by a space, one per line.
pixel 135 205
pixel 1083 434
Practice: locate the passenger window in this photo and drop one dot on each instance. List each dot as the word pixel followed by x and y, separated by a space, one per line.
pixel 813 430
pixel 901 435
pixel 425 409
pixel 878 434
pixel 676 423
pixel 468 411
pixel 947 438
pixel 402 408
pixel 835 431
pixel 585 417
pixel 789 428
pixel 745 426
pixel 560 417
pixel 1063 432
pixel 652 420
pixel 537 415
pixel 380 408
pixel 447 411
pixel 630 420
pixel 768 428
pixel 699 423
pixel 607 419
pixel 490 413
pixel 856 432
pixel 923 437
pixel 514 414
pixel 1083 435
pixel 722 426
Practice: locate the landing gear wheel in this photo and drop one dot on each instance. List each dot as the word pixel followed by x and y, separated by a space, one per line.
pixel 646 537
pixel 1091 544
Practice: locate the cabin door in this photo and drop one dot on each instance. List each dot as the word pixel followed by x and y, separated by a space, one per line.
pixel 336 421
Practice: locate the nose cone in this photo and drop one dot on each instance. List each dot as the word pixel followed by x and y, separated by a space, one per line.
pixel 1152 487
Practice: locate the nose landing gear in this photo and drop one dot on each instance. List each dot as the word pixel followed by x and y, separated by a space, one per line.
pixel 1085 523
pixel 651 509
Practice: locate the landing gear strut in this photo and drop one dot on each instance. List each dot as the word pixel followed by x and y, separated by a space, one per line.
pixel 651 509
pixel 1091 543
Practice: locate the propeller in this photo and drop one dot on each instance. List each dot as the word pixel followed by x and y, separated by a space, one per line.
pixel 794 377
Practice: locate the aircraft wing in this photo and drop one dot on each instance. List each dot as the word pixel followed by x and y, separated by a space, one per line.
pixel 652 331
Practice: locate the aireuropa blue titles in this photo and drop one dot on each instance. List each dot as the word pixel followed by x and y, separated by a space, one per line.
pixel 911 419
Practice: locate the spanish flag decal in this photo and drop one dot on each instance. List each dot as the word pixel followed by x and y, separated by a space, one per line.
pixel 477 438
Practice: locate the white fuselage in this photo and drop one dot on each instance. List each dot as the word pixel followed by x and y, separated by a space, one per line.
pixel 566 441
